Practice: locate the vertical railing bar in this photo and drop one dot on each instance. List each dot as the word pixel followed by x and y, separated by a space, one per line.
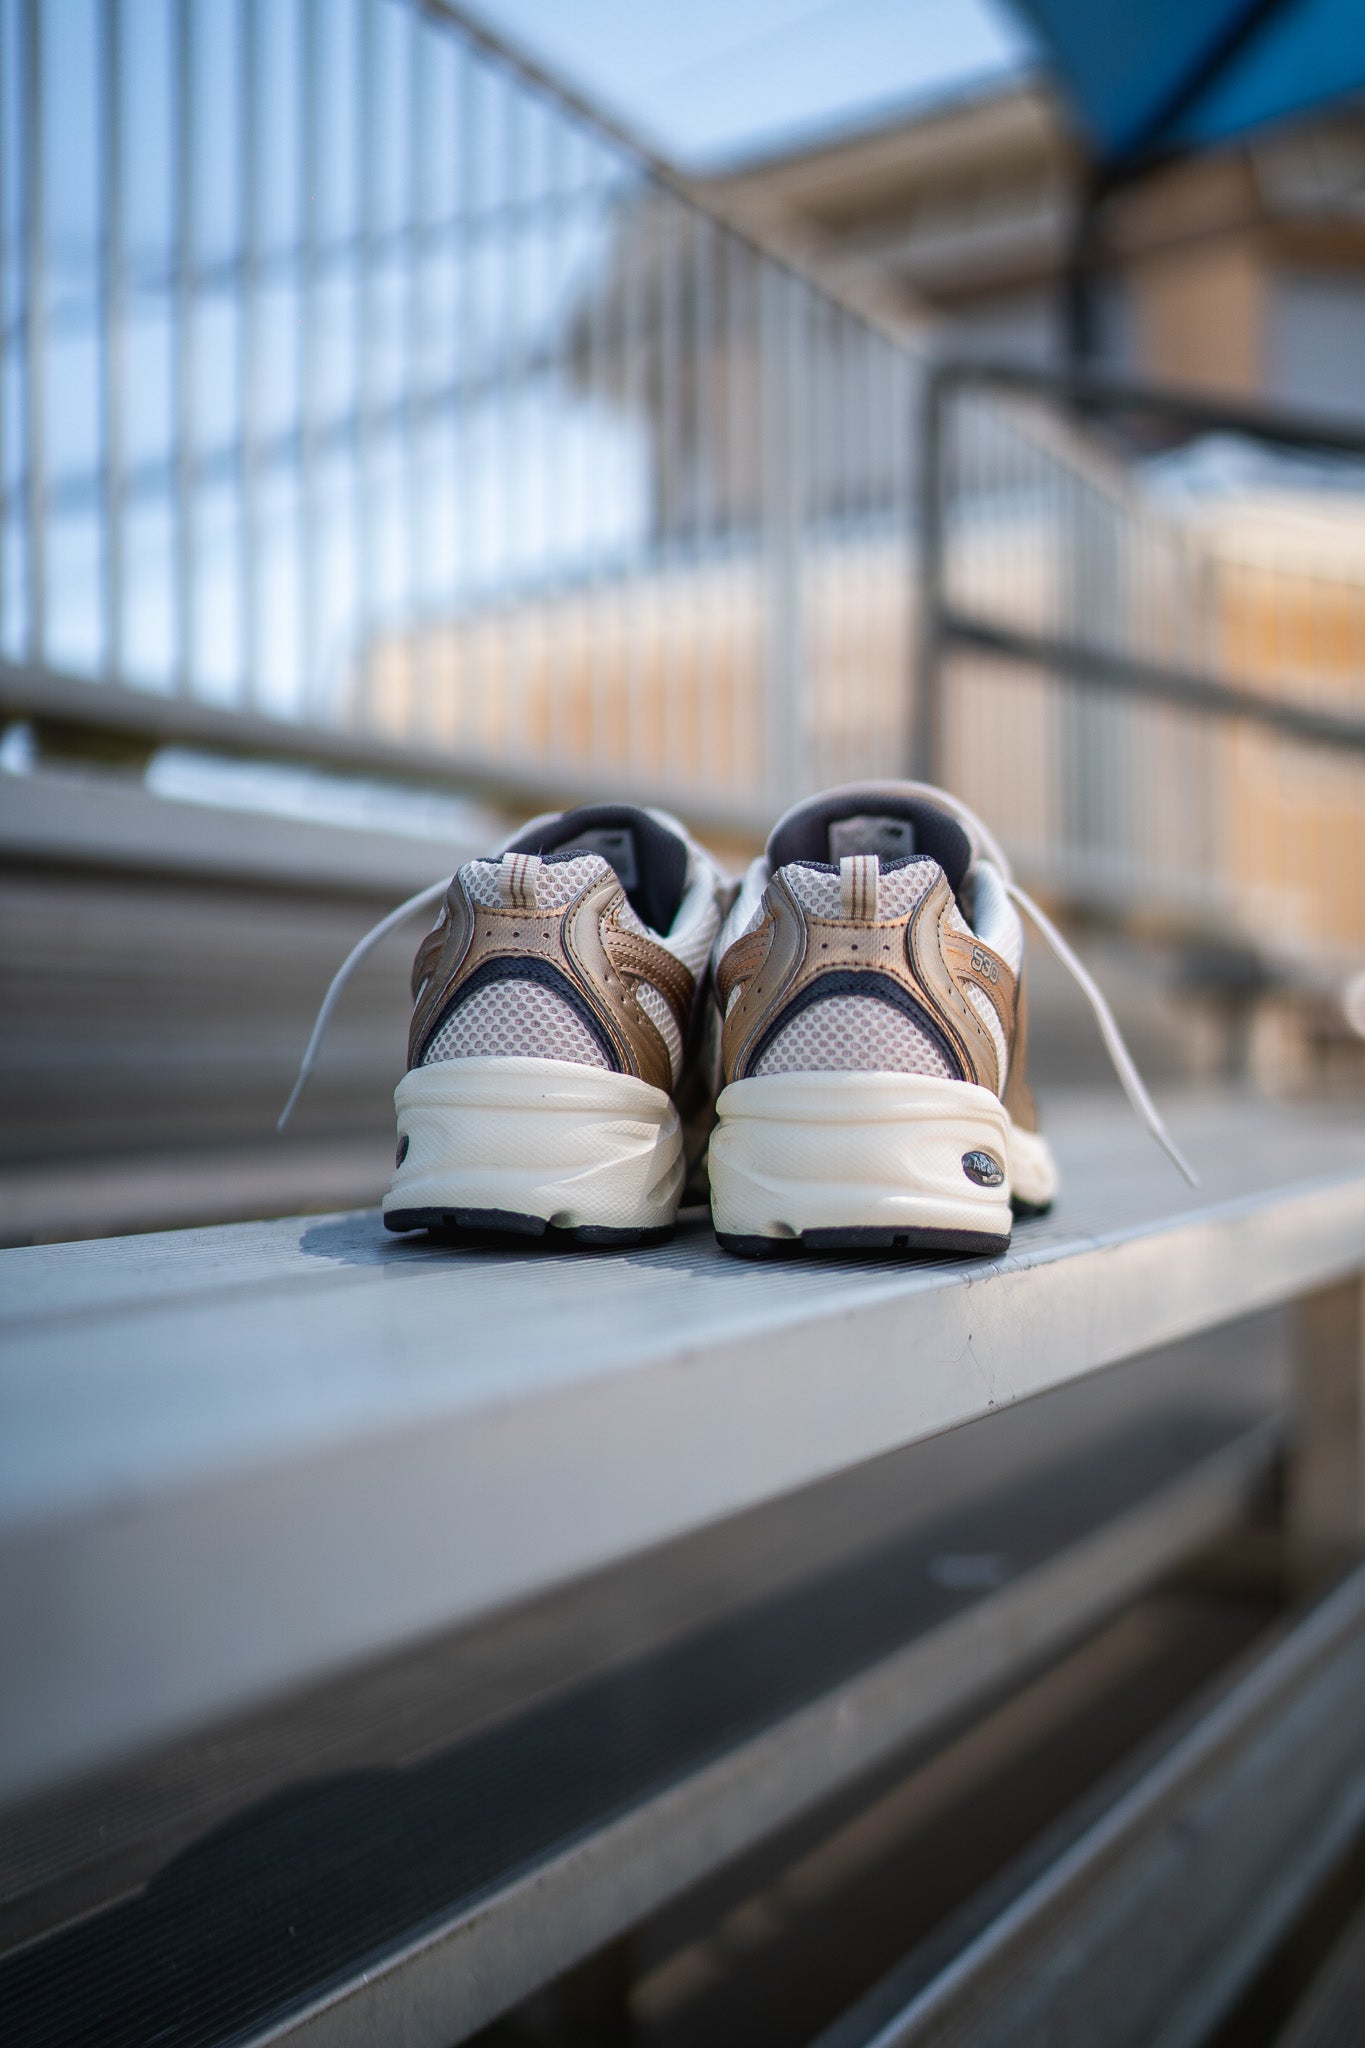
pixel 738 679
pixel 115 316
pixel 814 583
pixel 249 550
pixel 669 571
pixel 847 527
pixel 872 622
pixel 635 381
pixel 830 454
pixel 850 527
pixel 897 553
pixel 35 335
pixel 1019 494
pixel 511 365
pixel 467 566
pixel 420 623
pixel 310 633
pixel 560 205
pixel 924 762
pixel 4 338
pixel 605 646
pixel 186 328
pixel 859 486
pixel 903 431
pixel 856 491
pixel 364 508
pixel 891 578
pixel 884 555
pixel 704 683
pixel 796 293
pixel 862 488
pixel 782 737
pixel 602 648
pixel 642 362
pixel 596 645
pixel 890 581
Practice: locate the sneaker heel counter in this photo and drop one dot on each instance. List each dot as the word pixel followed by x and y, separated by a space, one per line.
pixel 438 963
pixel 970 986
pixel 755 974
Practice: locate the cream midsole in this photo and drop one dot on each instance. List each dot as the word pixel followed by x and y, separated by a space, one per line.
pixel 572 1145
pixel 814 1151
pixel 1033 1170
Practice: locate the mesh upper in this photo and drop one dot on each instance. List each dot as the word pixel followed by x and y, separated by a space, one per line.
pixel 518 1019
pixel 853 1034
pixel 515 1020
pixel 990 1017
pixel 817 890
pixel 557 881
pixel 660 1014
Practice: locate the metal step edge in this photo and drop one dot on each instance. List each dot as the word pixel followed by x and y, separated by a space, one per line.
pixel 459 1974
pixel 1166 1841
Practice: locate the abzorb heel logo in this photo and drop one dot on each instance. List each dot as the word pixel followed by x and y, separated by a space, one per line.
pixel 985 1171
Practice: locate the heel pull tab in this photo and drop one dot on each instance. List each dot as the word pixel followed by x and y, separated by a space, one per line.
pixel 859 887
pixel 517 880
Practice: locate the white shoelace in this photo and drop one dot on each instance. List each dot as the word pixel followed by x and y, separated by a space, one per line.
pixel 423 900
pixel 1124 1065
pixel 1129 1078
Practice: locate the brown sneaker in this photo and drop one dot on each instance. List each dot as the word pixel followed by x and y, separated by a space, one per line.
pixel 555 1033
pixel 871 976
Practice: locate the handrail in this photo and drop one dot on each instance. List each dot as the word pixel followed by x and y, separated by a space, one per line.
pixel 1091 391
pixel 1087 394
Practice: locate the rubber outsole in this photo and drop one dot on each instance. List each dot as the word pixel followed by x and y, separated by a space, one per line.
pixel 922 1243
pixel 501 1223
pixel 912 1243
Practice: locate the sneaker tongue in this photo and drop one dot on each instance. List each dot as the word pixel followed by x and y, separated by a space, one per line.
pixel 871 832
pixel 616 844
pixel 874 818
pixel 649 860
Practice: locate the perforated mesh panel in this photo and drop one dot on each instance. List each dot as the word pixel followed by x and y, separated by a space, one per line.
pixel 479 880
pixel 694 930
pixel 520 1020
pixel 853 1034
pixel 559 881
pixel 746 912
pixel 990 1017
pixel 515 1020
pixel 898 892
pixel 656 1008
pixel 630 920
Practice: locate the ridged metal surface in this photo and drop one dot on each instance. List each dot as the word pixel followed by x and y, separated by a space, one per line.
pixel 428 1892
pixel 1145 1929
pixel 1332 2014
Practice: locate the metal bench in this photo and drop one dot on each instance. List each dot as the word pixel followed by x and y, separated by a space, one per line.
pixel 413 1621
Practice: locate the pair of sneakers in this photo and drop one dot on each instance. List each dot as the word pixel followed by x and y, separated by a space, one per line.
pixel 602 1022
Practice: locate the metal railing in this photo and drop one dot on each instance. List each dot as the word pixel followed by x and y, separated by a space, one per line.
pixel 1162 705
pixel 364 397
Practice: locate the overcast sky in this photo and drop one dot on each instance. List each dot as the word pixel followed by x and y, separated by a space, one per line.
pixel 717 81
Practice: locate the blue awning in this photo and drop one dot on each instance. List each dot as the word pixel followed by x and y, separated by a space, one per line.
pixel 1146 76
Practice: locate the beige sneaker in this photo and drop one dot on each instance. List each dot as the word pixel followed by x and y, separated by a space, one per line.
pixel 871 977
pixel 556 1032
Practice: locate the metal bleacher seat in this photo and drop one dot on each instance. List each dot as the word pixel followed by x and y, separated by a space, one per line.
pixel 388 1627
